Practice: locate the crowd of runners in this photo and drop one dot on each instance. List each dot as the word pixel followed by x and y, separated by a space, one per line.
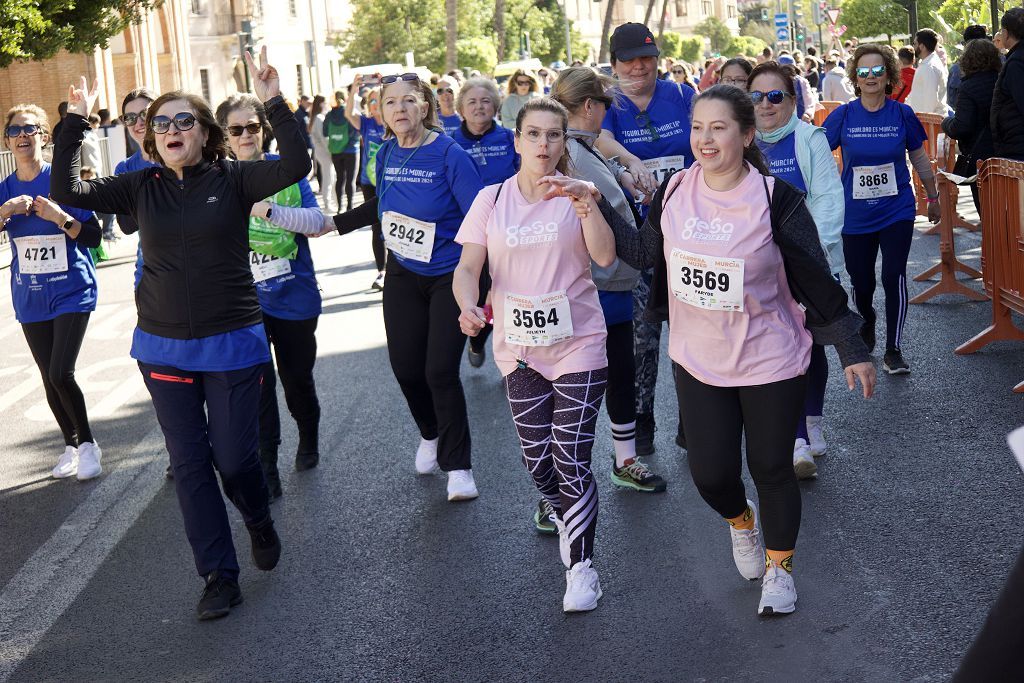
pixel 567 227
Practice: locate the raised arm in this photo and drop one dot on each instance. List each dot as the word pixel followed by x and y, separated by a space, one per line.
pixel 350 103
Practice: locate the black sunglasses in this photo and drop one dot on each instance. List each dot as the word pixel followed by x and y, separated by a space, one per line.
pixel 251 128
pixel 394 78
pixel 183 121
pixel 131 119
pixel 28 129
pixel 644 119
pixel 773 96
pixel 865 71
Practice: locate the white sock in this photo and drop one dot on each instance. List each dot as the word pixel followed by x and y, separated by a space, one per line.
pixel 624 439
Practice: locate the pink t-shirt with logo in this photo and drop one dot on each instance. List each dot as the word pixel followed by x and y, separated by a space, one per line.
pixel 721 335
pixel 536 253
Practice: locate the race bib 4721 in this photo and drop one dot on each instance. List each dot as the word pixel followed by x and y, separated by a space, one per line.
pixel 42 254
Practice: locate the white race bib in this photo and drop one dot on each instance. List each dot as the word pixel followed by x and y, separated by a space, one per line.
pixel 408 237
pixel 265 267
pixel 663 167
pixel 537 320
pixel 42 254
pixel 708 282
pixel 872 182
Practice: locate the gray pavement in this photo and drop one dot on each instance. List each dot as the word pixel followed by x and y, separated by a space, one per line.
pixel 903 545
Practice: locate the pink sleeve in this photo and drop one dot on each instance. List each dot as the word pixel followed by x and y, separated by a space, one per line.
pixel 474 225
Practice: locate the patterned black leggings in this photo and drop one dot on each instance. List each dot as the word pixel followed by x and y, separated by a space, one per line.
pixel 555 421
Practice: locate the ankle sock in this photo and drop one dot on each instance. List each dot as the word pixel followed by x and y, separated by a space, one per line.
pixel 624 441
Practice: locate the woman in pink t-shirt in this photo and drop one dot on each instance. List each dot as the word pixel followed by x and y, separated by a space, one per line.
pixel 538 231
pixel 741 276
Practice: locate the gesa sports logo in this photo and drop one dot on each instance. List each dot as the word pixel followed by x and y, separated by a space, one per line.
pixel 700 230
pixel 533 234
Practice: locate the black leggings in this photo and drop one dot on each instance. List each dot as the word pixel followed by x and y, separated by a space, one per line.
pixel 55 345
pixel 861 252
pixel 377 233
pixel 294 343
pixel 620 397
pixel 345 169
pixel 425 346
pixel 716 419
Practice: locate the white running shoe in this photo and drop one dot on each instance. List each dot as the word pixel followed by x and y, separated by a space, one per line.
pixel 748 548
pixel 778 592
pixel 89 455
pixel 817 440
pixel 426 456
pixel 461 485
pixel 563 540
pixel 582 588
pixel 803 461
pixel 67 465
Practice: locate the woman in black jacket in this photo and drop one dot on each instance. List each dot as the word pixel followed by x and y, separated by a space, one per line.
pixel 1008 98
pixel 200 341
pixel 969 124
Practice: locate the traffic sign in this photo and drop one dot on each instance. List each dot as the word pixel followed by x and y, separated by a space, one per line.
pixel 782 34
pixel 781 20
pixel 833 14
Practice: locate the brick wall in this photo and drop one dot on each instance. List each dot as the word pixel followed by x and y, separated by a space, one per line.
pixel 42 83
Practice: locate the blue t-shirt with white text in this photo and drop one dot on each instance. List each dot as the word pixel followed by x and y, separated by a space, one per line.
pixel 781 159
pixel 662 130
pixel 449 123
pixel 494 153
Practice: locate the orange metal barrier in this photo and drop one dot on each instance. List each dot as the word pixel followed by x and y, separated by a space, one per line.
pixel 820 115
pixel 932 124
pixel 1002 251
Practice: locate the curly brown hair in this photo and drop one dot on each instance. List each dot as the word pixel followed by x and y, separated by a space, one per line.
pixel 773 68
pixel 216 147
pixel 892 67
pixel 979 55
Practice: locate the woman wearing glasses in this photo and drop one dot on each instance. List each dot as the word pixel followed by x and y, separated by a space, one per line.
pixel 371 134
pixel 550 334
pixel 53 282
pixel 522 88
pixel 200 340
pixel 425 185
pixel 447 90
pixel 799 153
pixel 876 134
pixel 285 278
pixel 735 72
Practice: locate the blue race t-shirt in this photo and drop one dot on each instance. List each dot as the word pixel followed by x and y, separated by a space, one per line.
pixel 233 350
pixel 372 136
pixel 661 132
pixel 494 153
pixel 60 277
pixel 134 163
pixel 875 145
pixel 435 183
pixel 781 158
pixel 449 123
pixel 294 295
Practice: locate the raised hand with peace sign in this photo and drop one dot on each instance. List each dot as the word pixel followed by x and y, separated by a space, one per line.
pixel 265 79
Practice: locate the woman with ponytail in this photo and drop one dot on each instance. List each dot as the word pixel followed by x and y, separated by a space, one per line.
pixel 741 277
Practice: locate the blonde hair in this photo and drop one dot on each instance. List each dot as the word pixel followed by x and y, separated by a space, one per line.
pixel 577 84
pixel 534 87
pixel 425 93
pixel 34 110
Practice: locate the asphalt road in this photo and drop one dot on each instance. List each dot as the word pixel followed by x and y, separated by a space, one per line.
pixel 902 550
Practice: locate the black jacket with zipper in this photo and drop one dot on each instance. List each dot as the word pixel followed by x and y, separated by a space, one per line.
pixel 194 231
pixel 969 123
pixel 1008 107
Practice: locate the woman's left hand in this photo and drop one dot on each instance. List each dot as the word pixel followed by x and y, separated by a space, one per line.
pixel 865 372
pixel 265 79
pixel 259 209
pixel 49 211
pixel 934 211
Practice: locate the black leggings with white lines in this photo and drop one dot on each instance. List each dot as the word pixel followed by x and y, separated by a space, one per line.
pixel 556 421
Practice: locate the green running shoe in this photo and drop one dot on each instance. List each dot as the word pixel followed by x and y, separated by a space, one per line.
pixel 637 476
pixel 542 518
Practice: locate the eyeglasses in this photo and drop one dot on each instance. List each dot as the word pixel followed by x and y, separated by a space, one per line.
pixel 183 121
pixel 865 71
pixel 738 82
pixel 394 78
pixel 773 96
pixel 442 91
pixel 534 135
pixel 250 128
pixel 133 118
pixel 28 129
pixel 644 119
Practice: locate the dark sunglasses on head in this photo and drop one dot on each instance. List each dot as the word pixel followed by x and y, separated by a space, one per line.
pixel 865 71
pixel 132 119
pixel 394 78
pixel 251 128
pixel 442 91
pixel 773 96
pixel 644 119
pixel 183 121
pixel 28 129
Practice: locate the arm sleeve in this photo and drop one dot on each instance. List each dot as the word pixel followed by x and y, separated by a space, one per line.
pixel 919 160
pixel 463 176
pixel 91 233
pixel 825 199
pixel 474 226
pixel 112 194
pixel 363 215
pixel 639 248
pixel 303 220
pixel 264 178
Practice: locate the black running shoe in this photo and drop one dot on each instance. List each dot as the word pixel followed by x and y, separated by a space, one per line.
pixel 219 596
pixel 306 460
pixel 894 363
pixel 542 518
pixel 266 546
pixel 645 429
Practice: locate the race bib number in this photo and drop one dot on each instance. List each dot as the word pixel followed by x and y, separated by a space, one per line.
pixel 872 182
pixel 537 320
pixel 708 282
pixel 42 254
pixel 265 267
pixel 663 167
pixel 408 237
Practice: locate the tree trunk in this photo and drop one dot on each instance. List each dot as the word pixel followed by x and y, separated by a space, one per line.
pixel 606 31
pixel 661 20
pixel 451 56
pixel 649 12
pixel 499 27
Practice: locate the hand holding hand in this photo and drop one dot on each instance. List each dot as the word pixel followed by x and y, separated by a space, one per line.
pixel 82 98
pixel 865 372
pixel 259 209
pixel 49 211
pixel 265 79
pixel 472 320
pixel 644 179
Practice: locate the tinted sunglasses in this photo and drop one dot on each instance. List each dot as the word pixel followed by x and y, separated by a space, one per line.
pixel 183 121
pixel 27 129
pixel 518 82
pixel 773 96
pixel 251 128
pixel 644 119
pixel 442 91
pixel 865 71
pixel 133 118
pixel 394 78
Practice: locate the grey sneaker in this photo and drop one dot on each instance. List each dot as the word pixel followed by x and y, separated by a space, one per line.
pixel 778 592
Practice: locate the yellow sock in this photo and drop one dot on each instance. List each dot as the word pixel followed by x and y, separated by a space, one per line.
pixel 744 521
pixel 781 558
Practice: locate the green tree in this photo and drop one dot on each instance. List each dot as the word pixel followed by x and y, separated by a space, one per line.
pixel 717 33
pixel 38 29
pixel 477 53
pixel 382 31
pixel 746 45
pixel 670 44
pixel 869 18
pixel 691 49
pixel 755 29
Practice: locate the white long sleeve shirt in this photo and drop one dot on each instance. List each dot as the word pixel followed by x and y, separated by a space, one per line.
pixel 928 94
pixel 835 87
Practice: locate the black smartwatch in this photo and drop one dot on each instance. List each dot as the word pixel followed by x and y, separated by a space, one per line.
pixel 68 224
pixel 270 211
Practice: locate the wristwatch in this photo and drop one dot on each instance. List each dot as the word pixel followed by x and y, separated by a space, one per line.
pixel 270 211
pixel 68 224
